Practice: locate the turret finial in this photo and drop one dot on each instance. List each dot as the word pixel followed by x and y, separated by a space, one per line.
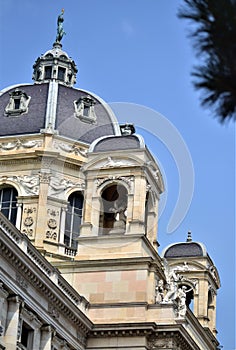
pixel 189 238
pixel 60 30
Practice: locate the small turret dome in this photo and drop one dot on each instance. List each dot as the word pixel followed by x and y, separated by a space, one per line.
pixel 185 249
pixel 113 143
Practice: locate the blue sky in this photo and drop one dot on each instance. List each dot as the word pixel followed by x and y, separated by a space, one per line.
pixel 137 52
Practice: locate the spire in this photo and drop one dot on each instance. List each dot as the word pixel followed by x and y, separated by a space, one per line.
pixel 189 238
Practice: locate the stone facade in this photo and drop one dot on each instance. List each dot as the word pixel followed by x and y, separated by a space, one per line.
pixel 80 267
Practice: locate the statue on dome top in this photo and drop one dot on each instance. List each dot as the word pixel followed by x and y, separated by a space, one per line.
pixel 60 30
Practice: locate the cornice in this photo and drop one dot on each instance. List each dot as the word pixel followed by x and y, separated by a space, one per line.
pixel 110 264
pixel 150 330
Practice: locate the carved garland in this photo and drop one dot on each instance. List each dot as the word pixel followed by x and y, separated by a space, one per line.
pixel 9 146
pixel 71 149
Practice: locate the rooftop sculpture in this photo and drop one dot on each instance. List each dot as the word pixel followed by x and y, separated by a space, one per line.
pixel 60 30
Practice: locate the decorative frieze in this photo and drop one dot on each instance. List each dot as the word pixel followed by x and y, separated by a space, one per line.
pixel 74 149
pixel 28 183
pixel 18 144
pixel 58 186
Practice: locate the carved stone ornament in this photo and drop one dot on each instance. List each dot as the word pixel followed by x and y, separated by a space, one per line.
pixel 71 149
pixel 53 311
pixel 51 235
pixel 44 177
pixel 212 271
pixel 60 185
pixel 28 221
pixel 28 183
pixel 155 171
pixel 53 224
pixel 21 282
pixel 9 146
pixel 156 344
pixel 111 163
pixel 53 212
pixel 129 180
pixel 175 292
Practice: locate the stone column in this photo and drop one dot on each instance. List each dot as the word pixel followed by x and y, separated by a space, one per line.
pixel 46 338
pixel 18 215
pixel 12 322
pixel 61 248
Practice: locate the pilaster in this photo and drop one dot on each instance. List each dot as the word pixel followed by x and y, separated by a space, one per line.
pixel 11 332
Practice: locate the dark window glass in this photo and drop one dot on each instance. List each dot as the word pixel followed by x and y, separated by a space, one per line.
pixel 8 203
pixel 48 72
pixel 26 336
pixel 17 103
pixel 61 74
pixel 73 219
pixel 86 110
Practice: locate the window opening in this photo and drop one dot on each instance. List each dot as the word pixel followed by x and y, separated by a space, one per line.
pixel 26 336
pixel 17 103
pixel 86 110
pixel 73 219
pixel 61 74
pixel 8 203
pixel 114 206
pixel 48 72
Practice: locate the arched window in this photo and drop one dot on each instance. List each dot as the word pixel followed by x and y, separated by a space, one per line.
pixel 8 203
pixel 73 219
pixel 114 206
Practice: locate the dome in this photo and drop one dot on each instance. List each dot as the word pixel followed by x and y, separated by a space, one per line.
pixel 73 113
pixel 113 143
pixel 185 249
pixel 56 52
